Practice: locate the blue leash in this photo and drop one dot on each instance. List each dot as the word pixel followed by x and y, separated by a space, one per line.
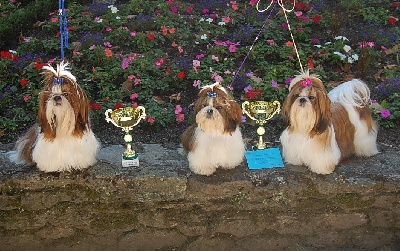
pixel 251 48
pixel 63 27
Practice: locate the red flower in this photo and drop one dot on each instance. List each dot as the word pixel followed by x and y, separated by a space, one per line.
pixel 310 63
pixel 252 94
pixel 395 5
pixel 95 106
pixel 8 55
pixel 150 36
pixel 23 81
pixel 118 105
pixel 317 19
pixel 181 75
pixel 39 66
pixel 392 20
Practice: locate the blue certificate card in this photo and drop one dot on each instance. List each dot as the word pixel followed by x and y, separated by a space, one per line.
pixel 266 158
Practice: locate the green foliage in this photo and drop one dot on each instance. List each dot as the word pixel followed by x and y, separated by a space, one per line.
pixel 144 52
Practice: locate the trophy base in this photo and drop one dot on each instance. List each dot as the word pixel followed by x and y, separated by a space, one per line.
pixel 130 162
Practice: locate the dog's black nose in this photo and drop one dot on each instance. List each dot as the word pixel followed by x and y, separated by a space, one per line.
pixel 303 100
pixel 210 112
pixel 57 99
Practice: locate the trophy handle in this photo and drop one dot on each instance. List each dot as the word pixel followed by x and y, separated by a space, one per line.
pixel 276 104
pixel 142 114
pixel 108 119
pixel 244 110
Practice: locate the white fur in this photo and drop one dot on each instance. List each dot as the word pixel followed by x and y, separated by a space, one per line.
pixel 215 150
pixel 65 153
pixel 299 149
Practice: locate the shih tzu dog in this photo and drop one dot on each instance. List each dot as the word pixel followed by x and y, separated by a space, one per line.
pixel 324 128
pixel 62 139
pixel 215 139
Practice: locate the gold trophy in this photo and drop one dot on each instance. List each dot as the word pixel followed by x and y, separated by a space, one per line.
pixel 126 118
pixel 261 112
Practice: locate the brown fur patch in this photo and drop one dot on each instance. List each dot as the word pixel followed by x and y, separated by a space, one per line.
pixel 344 130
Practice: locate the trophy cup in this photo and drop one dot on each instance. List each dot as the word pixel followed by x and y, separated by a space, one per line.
pixel 126 118
pixel 261 112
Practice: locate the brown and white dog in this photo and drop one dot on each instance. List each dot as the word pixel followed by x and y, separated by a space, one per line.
pixel 326 128
pixel 215 139
pixel 62 139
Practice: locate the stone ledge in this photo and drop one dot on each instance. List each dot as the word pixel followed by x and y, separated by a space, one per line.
pixel 162 205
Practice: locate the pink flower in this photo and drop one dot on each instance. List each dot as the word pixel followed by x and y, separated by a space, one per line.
pixel 271 41
pixel 298 13
pixel 27 97
pixel 178 109
pixel 54 19
pixel 131 76
pixel 107 44
pixel 92 47
pixel 232 48
pixel 109 29
pixel 253 2
pixel 385 113
pixel 234 5
pixel 134 96
pixel 218 79
pixel 196 63
pixel 134 104
pixel 151 120
pixel 180 117
pixel 226 19
pixel 215 58
pixel 199 56
pixel 136 82
pixel 133 33
pixel 315 41
pixel 285 26
pixel 196 83
pixel 159 62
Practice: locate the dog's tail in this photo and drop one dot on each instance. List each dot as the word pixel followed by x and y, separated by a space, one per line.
pixel 22 155
pixel 354 93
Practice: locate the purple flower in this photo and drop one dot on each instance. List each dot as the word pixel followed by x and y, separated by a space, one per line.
pixel 274 83
pixel 385 113
pixel 248 88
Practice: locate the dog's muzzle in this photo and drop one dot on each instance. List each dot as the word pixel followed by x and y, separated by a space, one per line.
pixel 57 100
pixel 210 113
pixel 302 101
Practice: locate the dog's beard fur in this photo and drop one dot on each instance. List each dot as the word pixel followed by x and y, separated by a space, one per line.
pixel 210 120
pixel 60 116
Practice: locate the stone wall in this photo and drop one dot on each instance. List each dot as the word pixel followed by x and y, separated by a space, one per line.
pixel 160 206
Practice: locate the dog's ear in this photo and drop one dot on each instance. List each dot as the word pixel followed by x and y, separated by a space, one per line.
pixel 81 108
pixel 235 111
pixel 323 111
pixel 288 102
pixel 45 126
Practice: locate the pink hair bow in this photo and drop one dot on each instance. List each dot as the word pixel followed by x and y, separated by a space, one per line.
pixel 306 82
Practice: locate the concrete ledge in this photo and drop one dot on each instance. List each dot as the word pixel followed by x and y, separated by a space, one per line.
pixel 163 206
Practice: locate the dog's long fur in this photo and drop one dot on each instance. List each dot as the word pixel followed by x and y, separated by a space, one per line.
pixel 215 139
pixel 62 139
pixel 326 128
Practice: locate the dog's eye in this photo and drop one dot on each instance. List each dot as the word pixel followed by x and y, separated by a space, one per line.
pixel 218 107
pixel 311 97
pixel 65 94
pixel 204 105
